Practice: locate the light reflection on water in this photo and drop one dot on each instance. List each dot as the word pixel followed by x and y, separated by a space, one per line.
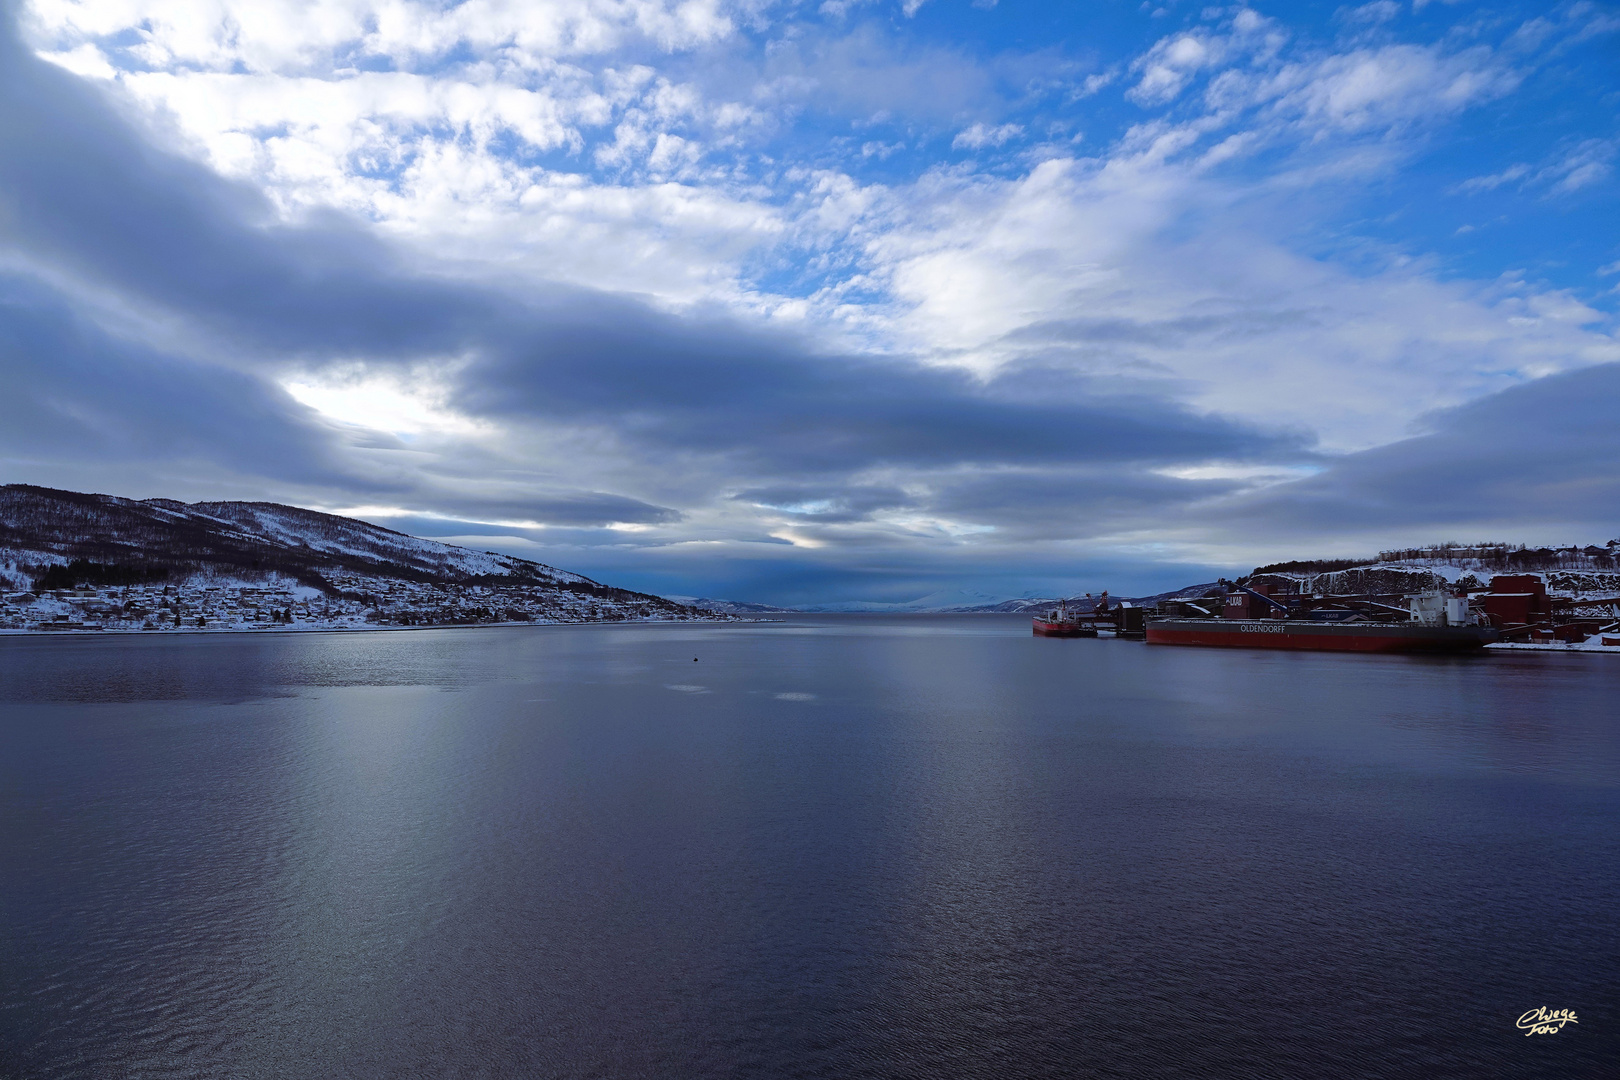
pixel 826 847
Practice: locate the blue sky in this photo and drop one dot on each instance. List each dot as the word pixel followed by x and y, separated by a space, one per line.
pixel 813 303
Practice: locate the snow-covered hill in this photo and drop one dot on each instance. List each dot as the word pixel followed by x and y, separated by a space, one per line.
pixel 156 563
pixel 1572 570
pixel 40 527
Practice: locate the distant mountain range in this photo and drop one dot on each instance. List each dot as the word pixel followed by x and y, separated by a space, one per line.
pixel 947 602
pixel 729 607
pixel 1086 601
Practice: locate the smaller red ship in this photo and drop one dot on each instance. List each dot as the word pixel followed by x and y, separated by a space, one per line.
pixel 1061 622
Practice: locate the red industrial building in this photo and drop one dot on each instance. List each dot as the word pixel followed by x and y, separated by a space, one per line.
pixel 1517 600
pixel 1518 604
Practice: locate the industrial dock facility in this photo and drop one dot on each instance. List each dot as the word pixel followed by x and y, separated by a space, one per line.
pixel 1281 610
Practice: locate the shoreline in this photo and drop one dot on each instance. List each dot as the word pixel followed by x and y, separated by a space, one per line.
pixel 1552 646
pixel 1499 647
pixel 193 630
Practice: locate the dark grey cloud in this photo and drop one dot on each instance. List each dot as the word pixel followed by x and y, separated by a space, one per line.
pixel 1219 327
pixel 1545 454
pixel 1071 502
pixel 778 408
pixel 72 391
pixel 87 401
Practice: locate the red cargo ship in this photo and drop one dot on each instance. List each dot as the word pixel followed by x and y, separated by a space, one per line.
pixel 1436 623
pixel 1061 622
pixel 1304 634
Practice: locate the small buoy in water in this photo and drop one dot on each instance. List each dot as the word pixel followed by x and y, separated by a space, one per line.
pixel 694 659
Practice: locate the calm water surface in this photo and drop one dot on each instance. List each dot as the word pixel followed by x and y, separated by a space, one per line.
pixel 836 847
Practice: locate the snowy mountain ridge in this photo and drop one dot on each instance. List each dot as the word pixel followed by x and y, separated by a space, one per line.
pixel 100 562
pixel 41 527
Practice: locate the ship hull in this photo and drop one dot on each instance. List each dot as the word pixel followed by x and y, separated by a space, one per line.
pixel 1061 628
pixel 1321 636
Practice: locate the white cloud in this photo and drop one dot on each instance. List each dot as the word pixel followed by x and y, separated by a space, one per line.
pixel 1495 180
pixel 1365 88
pixel 86 60
pixel 1371 88
pixel 1171 64
pixel 1174 61
pixel 980 136
pixel 1134 270
pixel 1095 83
pixel 1577 167
pixel 264 35
pixel 1562 27
pixel 1379 11
pixel 446 156
pixel 387 403
pixel 1583 166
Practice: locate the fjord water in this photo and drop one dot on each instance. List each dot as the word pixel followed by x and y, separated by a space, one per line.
pixel 829 847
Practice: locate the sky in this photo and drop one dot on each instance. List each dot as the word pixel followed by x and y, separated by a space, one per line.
pixel 820 303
